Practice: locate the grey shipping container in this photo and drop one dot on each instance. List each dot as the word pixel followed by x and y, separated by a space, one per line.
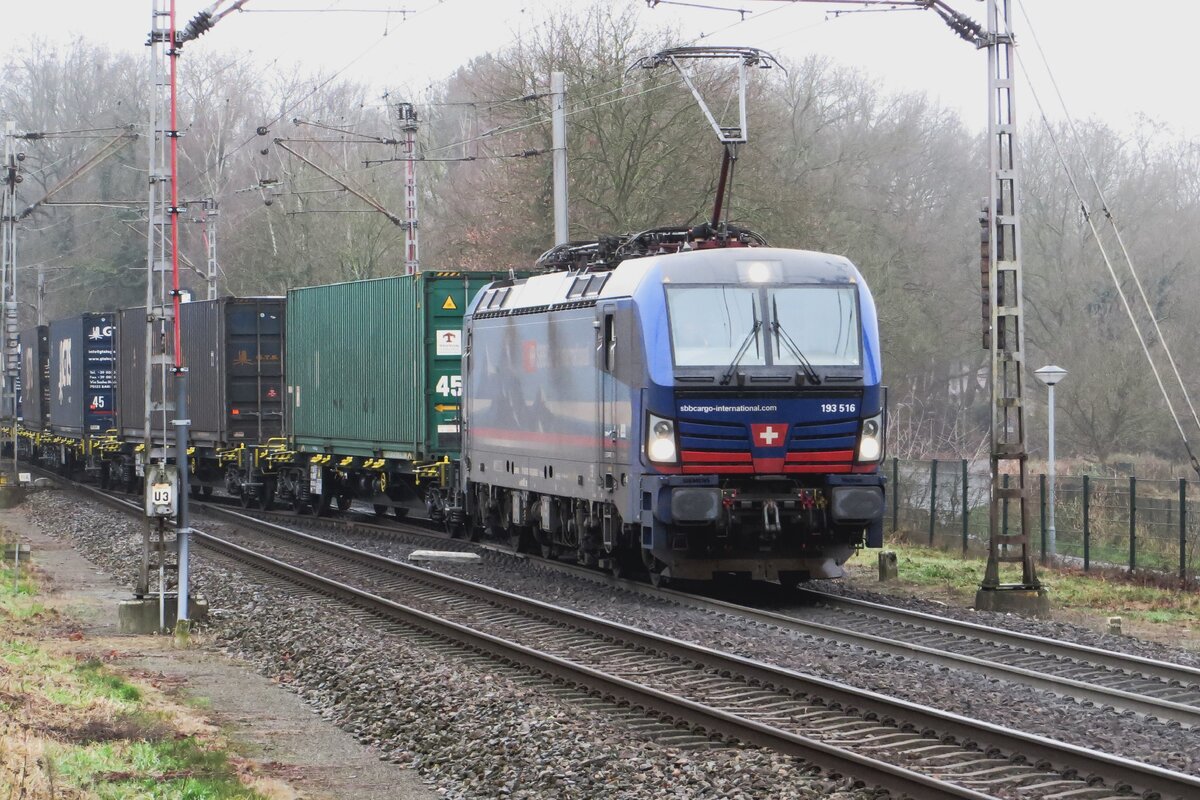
pixel 233 351
pixel 375 367
pixel 83 376
pixel 35 374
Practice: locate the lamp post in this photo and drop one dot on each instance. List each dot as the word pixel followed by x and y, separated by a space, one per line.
pixel 1050 375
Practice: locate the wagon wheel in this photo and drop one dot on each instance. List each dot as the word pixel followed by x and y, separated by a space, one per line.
pixel 344 501
pixel 246 498
pixel 266 495
pixel 320 504
pixel 380 510
pixel 400 511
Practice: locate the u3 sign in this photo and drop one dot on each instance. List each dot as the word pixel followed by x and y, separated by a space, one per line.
pixel 162 495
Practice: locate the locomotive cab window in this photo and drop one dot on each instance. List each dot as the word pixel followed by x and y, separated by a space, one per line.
pixel 764 326
pixel 821 320
pixel 710 325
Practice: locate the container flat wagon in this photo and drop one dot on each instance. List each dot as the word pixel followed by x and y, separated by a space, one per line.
pixel 81 387
pixel 374 388
pixel 34 368
pixel 233 352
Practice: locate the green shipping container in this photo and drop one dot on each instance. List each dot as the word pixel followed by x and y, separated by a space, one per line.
pixel 374 368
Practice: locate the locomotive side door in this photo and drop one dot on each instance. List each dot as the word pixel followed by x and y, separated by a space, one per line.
pixel 606 363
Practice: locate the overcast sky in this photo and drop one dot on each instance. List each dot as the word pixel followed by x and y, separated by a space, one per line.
pixel 1113 59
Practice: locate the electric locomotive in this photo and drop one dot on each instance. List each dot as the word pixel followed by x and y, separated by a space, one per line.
pixel 709 411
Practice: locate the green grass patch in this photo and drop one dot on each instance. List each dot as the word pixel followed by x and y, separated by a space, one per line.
pixel 1069 588
pixel 106 684
pixel 172 769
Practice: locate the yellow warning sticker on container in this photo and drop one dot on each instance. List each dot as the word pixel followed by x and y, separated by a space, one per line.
pixel 449 304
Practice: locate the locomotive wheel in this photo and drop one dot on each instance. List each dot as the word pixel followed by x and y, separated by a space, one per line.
pixel 657 579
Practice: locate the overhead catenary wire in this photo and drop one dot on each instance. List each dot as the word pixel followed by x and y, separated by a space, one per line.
pixel 1162 339
pixel 1137 328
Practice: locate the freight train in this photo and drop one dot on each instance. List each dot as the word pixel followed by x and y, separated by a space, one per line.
pixel 674 403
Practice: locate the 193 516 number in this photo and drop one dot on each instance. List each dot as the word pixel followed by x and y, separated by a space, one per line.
pixel 838 408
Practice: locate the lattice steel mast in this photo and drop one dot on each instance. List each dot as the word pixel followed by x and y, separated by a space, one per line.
pixel 8 280
pixel 1004 335
pixel 408 126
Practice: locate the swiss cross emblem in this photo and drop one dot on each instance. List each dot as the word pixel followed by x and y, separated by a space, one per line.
pixel 769 434
pixel 271 393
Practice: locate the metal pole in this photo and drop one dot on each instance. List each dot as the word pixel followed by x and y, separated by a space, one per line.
pixel 932 498
pixel 8 281
pixel 1042 505
pixel 895 494
pixel 966 512
pixel 1183 530
pixel 412 252
pixel 41 295
pixel 559 148
pixel 1132 523
pixel 1087 525
pixel 181 460
pixel 179 370
pixel 1051 534
pixel 210 240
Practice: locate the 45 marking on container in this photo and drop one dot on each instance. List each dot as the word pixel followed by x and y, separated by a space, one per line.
pixel 449 386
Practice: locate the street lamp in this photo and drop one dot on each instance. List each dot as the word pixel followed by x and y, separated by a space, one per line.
pixel 1050 375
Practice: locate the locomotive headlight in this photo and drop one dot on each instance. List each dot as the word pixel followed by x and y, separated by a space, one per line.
pixel 870 444
pixel 660 440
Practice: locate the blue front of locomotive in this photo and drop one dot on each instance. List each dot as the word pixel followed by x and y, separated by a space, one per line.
pixel 761 414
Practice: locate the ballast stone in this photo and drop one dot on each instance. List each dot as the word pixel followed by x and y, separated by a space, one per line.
pixel 455 556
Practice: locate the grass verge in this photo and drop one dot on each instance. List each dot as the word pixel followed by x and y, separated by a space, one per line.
pixel 71 727
pixel 1163 613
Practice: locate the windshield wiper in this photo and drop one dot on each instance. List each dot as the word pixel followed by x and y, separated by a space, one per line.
pixel 782 335
pixel 750 337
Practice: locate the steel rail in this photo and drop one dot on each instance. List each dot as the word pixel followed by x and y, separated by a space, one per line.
pixel 1120 699
pixel 1062 756
pixel 1162 670
pixel 893 778
pixel 1082 690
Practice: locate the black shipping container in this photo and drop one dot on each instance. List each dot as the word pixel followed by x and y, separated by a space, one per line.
pixel 35 377
pixel 83 375
pixel 233 351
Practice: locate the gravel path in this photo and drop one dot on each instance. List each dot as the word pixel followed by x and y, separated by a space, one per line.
pixel 479 731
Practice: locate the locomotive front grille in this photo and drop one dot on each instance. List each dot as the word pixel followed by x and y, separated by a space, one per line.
pixel 725 448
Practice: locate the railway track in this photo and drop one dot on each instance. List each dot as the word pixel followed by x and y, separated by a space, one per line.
pixel 1154 689
pixel 836 726
pixel 904 747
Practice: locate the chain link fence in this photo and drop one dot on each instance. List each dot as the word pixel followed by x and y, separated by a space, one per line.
pixel 1104 523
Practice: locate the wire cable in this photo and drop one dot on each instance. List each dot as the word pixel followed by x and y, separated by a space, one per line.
pixel 1111 220
pixel 1087 215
